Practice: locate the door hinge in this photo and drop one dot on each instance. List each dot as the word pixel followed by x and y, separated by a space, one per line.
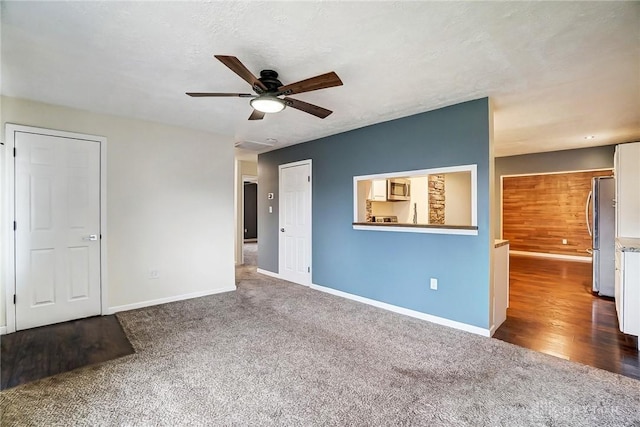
pixel 14 299
pixel 15 226
pixel 308 269
pixel 308 178
pixel 14 151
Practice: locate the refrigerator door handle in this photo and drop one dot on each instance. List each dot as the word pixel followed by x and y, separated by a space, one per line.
pixel 586 212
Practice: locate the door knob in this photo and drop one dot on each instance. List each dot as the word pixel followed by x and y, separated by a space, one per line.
pixel 282 229
pixel 91 237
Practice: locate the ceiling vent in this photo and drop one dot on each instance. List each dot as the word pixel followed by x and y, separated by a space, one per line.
pixel 254 145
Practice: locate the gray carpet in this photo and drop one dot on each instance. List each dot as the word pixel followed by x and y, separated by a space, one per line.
pixel 275 353
pixel 250 251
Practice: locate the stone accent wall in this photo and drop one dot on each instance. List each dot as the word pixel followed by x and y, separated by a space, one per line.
pixel 369 211
pixel 436 199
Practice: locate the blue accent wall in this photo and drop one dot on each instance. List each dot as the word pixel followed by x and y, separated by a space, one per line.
pixel 391 267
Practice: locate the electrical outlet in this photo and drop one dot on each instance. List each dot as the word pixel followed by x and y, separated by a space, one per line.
pixel 433 284
pixel 154 274
pixel 564 241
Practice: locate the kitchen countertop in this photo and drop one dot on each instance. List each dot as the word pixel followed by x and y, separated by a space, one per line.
pixel 403 224
pixel 628 244
pixel 500 242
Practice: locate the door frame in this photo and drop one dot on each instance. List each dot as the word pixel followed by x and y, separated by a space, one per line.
pixel 9 214
pixel 280 210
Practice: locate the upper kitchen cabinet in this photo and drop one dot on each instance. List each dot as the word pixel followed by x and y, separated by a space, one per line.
pixel 378 190
pixel 627 173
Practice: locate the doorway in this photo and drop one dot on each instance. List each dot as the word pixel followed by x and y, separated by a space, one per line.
pixel 250 214
pixel 249 217
pixel 552 306
pixel 57 204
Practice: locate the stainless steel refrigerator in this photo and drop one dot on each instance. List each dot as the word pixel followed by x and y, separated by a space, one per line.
pixel 600 212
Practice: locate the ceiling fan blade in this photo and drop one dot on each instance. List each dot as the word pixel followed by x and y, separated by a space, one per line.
pixel 201 94
pixel 307 108
pixel 237 67
pixel 314 83
pixel 256 115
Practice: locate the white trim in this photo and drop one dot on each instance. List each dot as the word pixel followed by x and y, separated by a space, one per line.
pixel 268 273
pixel 407 312
pixel 9 241
pixel 104 289
pixel 473 169
pixel 294 164
pixel 309 225
pixel 3 330
pixel 555 256
pixel 501 207
pixel 399 228
pixel 558 172
pixel 236 225
pixel 403 174
pixel 149 303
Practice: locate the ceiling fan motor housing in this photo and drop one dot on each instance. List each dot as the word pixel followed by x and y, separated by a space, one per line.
pixel 270 79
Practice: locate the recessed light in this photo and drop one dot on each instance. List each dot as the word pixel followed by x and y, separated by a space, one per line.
pixel 589 137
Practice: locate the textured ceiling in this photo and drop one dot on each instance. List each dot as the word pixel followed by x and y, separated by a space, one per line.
pixel 556 71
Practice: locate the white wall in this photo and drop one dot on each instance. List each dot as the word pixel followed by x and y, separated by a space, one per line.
pixel 419 196
pixel 169 203
pixel 457 190
pixel 383 209
pixel 364 189
pixel 242 167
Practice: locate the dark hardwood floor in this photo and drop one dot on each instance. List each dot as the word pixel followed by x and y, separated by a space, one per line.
pixel 41 352
pixel 552 310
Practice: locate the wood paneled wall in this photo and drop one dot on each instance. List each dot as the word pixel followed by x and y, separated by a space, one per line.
pixel 538 211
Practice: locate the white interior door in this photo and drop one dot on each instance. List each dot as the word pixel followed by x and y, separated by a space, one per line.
pixel 57 213
pixel 295 222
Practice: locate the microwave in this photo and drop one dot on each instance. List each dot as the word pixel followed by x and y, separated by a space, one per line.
pixel 398 189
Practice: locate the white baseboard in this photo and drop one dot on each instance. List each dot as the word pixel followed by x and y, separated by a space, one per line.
pixel 407 312
pixel 268 273
pixel 3 330
pixel 555 256
pixel 149 303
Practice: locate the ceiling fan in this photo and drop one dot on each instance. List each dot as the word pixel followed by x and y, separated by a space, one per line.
pixel 271 93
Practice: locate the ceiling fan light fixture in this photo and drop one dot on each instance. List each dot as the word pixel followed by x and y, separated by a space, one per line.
pixel 267 104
